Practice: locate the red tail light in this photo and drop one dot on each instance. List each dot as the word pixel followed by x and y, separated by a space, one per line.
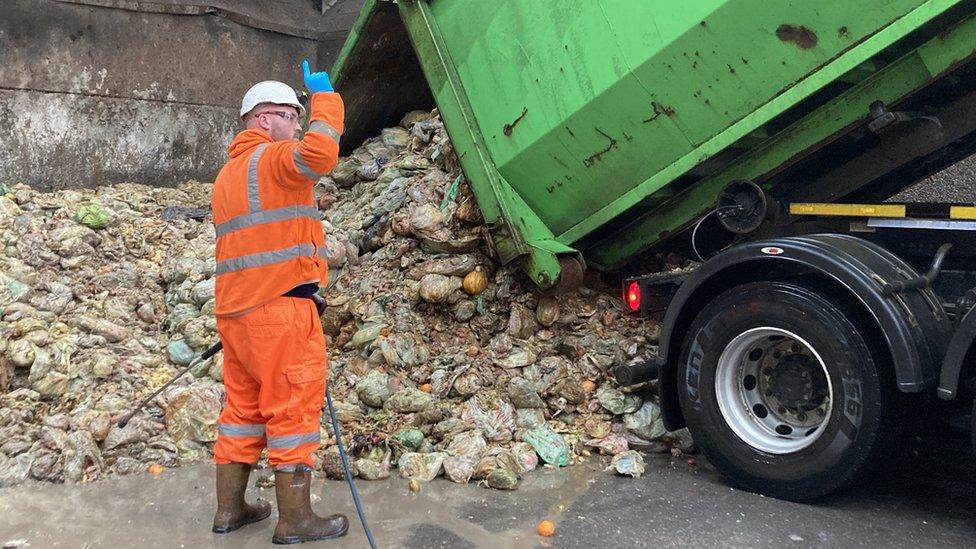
pixel 633 296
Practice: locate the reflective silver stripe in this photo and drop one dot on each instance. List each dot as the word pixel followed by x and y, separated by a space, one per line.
pixel 242 430
pixel 264 258
pixel 268 216
pixel 253 195
pixel 303 167
pixel 293 441
pixel 319 126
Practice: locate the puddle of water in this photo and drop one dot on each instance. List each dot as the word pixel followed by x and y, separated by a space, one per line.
pixel 175 510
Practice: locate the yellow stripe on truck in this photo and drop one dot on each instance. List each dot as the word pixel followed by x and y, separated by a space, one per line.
pixel 962 212
pixel 848 210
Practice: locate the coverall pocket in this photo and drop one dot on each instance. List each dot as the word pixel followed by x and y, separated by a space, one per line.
pixel 306 374
pixel 306 382
pixel 276 313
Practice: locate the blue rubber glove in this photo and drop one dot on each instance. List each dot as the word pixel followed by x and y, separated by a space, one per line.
pixel 316 81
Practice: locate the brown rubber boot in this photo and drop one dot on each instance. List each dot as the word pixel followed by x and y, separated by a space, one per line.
pixel 296 521
pixel 232 511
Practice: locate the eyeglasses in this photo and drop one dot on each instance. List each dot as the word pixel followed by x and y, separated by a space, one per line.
pixel 289 116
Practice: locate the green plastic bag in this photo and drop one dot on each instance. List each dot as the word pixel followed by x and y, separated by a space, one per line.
pixel 550 445
pixel 179 352
pixel 451 193
pixel 11 290
pixel 92 217
pixel 411 438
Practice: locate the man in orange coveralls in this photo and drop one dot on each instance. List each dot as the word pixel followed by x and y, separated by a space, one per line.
pixel 270 261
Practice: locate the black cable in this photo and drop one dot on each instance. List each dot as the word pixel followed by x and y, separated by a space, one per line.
pixel 145 402
pixel 694 231
pixel 345 467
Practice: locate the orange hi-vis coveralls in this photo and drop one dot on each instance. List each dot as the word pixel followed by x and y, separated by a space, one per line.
pixel 269 241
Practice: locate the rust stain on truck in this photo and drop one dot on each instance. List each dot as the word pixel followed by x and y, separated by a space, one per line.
pixel 801 36
pixel 658 111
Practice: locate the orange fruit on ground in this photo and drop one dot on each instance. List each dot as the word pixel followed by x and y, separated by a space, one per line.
pixel 546 528
pixel 425 387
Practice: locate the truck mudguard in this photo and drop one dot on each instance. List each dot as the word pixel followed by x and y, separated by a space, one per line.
pixel 962 341
pixel 912 325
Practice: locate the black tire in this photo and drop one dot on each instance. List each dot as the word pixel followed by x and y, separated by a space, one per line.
pixel 864 413
pixel 973 427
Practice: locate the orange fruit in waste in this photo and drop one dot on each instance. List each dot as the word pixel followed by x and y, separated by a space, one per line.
pixel 156 469
pixel 425 387
pixel 546 528
pixel 589 386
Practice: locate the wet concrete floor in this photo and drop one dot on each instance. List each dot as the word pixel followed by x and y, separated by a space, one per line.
pixel 931 503
pixel 175 509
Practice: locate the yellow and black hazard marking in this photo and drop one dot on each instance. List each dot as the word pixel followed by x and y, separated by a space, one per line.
pixel 959 212
pixel 848 210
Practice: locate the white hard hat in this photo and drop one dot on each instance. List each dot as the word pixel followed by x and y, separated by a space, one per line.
pixel 270 91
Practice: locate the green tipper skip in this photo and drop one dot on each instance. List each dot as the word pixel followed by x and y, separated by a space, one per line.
pixel 594 129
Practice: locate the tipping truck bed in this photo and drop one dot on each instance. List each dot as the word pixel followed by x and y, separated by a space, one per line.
pixel 597 129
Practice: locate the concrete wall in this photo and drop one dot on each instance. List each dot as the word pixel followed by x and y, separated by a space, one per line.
pixel 92 94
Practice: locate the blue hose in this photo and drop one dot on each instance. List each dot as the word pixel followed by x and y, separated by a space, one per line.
pixel 345 467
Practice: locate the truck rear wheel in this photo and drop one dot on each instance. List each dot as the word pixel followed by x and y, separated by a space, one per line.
pixel 782 392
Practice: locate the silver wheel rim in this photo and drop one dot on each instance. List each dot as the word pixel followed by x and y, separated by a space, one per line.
pixel 773 390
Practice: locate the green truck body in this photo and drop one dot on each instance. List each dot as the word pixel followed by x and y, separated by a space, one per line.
pixel 600 128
